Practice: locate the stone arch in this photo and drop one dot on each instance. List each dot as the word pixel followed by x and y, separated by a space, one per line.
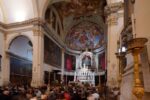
pixel 15 36
pixel 58 24
pixel 20 52
pixel 46 4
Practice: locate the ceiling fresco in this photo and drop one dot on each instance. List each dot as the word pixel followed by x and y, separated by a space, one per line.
pixel 78 7
pixel 83 23
pixel 85 35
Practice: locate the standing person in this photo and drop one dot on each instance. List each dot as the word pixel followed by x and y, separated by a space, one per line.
pixel 90 97
pixel 76 95
pixel 5 95
pixel 67 95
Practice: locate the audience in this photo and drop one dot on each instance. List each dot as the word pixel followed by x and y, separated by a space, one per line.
pixel 57 92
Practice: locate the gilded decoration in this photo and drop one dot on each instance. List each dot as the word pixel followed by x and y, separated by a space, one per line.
pixel 135 46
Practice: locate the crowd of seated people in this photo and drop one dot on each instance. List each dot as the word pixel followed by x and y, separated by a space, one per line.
pixel 55 92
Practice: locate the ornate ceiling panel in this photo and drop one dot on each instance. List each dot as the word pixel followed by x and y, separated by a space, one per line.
pixel 85 35
pixel 78 7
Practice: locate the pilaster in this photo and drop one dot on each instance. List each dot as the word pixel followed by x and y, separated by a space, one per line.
pixel 76 67
pixel 5 70
pixel 115 24
pixel 96 61
pixel 38 57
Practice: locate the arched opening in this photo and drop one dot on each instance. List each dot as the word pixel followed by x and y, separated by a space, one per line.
pixel 83 24
pixel 20 53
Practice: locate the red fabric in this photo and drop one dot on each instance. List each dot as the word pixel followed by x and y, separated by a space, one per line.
pixel 69 63
pixel 67 96
pixel 102 61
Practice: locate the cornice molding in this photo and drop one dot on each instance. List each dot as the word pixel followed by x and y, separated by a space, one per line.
pixel 113 8
pixel 35 21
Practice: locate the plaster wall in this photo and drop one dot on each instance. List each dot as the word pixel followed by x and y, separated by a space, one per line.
pixel 142 27
pixel 142 16
pixel 1 42
pixel 1 51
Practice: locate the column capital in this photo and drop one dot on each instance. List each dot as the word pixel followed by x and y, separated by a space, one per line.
pixel 113 8
pixel 114 11
pixel 5 36
pixel 62 49
pixel 38 31
pixel 112 19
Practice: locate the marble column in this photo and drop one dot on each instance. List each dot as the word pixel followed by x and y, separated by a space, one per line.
pixel 38 57
pixel 96 61
pixel 76 68
pixel 77 62
pixel 5 75
pixel 115 26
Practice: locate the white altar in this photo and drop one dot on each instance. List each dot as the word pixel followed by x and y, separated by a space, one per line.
pixel 83 72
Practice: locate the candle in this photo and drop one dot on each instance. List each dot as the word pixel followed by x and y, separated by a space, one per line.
pixel 84 65
pixel 120 44
pixel 133 24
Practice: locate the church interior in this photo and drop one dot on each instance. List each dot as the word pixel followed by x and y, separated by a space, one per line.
pixel 74 50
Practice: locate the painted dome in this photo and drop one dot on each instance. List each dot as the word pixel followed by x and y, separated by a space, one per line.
pixel 85 35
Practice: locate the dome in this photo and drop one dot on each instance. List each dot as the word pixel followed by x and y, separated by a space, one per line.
pixel 85 35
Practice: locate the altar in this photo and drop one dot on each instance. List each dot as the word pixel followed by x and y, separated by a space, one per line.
pixel 84 72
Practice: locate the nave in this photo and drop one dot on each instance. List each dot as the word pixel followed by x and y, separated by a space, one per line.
pixel 74 49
